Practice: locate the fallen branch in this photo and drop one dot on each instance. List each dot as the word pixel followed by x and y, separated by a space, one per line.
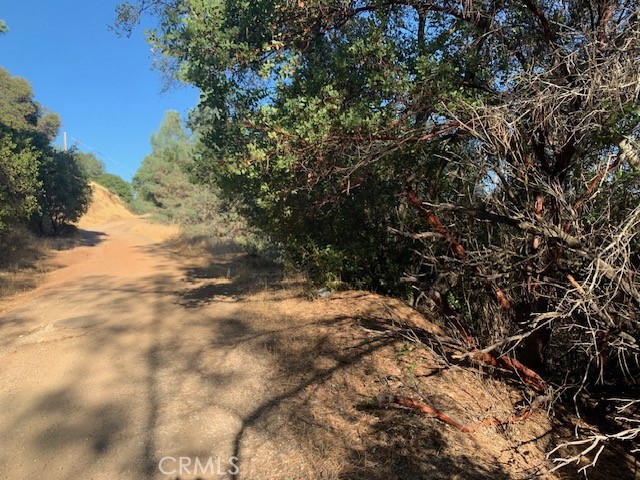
pixel 424 408
pixel 591 443
pixel 529 376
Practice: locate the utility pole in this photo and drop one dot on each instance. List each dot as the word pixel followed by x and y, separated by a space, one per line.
pixel 64 137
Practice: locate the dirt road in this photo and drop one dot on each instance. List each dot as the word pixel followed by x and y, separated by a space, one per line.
pixel 142 359
pixel 113 364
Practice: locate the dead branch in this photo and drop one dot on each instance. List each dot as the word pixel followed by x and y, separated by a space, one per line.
pixel 424 408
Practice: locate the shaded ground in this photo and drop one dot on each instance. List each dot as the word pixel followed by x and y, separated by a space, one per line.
pixel 23 258
pixel 135 350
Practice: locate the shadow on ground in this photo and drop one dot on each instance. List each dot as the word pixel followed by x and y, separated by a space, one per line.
pixel 289 379
pixel 325 366
pixel 78 237
pixel 23 256
pixel 225 272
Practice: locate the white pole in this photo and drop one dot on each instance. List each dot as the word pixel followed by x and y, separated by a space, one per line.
pixel 64 136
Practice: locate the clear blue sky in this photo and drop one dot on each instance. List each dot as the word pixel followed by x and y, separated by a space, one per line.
pixel 102 86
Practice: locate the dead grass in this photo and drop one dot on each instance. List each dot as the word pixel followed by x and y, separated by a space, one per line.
pixel 328 357
pixel 157 232
pixel 24 254
pixel 332 355
pixel 20 263
pixel 24 259
pixel 105 207
pixel 222 270
pixel 335 354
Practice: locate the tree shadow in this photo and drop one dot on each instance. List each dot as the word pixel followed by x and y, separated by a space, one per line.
pixel 223 272
pixel 304 414
pixel 73 427
pixel 79 237
pixel 22 256
pixel 403 447
pixel 316 415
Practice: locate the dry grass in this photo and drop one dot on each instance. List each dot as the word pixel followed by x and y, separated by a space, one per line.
pixel 105 207
pixel 21 262
pixel 330 356
pixel 24 254
pixel 334 355
pixel 24 258
pixel 157 232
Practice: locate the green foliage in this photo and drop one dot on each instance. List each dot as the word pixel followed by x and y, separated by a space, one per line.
pixel 3 27
pixel 116 185
pixel 49 125
pixel 159 182
pixel 92 165
pixel 272 117
pixel 315 114
pixel 17 107
pixel 485 151
pixel 38 183
pixel 163 186
pixel 66 192
pixel 171 137
pixel 19 182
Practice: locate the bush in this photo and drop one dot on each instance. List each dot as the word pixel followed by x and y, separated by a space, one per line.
pixel 65 194
pixel 117 185
pixel 19 183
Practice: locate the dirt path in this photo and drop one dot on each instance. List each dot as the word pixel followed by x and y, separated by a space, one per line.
pixel 108 367
pixel 141 360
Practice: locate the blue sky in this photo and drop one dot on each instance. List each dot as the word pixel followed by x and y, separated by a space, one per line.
pixel 102 86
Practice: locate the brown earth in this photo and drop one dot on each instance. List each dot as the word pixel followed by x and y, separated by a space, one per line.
pixel 105 207
pixel 141 347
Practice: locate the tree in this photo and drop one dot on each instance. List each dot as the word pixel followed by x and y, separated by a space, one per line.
pixel 48 124
pixel 66 193
pixel 508 130
pixel 92 165
pixel 162 182
pixel 38 180
pixel 17 107
pixel 116 185
pixel 19 154
pixel 171 136
pixel 19 182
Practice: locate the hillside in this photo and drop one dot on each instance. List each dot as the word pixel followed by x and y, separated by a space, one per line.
pixel 105 207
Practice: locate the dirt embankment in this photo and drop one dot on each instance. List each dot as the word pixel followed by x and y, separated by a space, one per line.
pixel 105 207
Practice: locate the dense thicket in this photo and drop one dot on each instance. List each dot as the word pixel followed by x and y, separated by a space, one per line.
pixel 39 184
pixel 485 153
